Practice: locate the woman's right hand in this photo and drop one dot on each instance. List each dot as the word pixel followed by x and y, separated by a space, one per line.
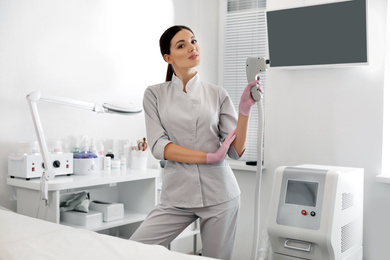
pixel 219 155
pixel 246 101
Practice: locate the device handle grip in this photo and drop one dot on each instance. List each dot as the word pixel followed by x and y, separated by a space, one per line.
pixel 297 245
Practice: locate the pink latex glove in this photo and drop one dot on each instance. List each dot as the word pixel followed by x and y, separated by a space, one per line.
pixel 247 101
pixel 221 153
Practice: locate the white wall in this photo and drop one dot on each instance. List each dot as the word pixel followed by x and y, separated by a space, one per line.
pixel 94 51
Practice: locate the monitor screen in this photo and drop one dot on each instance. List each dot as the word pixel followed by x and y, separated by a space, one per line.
pixel 302 193
pixel 325 34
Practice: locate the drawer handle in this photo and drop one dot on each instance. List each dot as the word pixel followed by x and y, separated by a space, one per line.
pixel 297 245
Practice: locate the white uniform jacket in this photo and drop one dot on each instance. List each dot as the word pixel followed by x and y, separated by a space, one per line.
pixel 200 120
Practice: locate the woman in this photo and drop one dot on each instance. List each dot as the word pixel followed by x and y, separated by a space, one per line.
pixel 186 121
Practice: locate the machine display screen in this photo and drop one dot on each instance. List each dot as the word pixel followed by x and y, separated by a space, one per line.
pixel 301 193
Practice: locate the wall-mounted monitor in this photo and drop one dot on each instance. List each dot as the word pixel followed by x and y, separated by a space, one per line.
pixel 328 34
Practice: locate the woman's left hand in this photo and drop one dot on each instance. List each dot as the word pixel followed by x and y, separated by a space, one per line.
pixel 219 155
pixel 247 101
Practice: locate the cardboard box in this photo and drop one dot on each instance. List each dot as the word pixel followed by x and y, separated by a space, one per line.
pixel 111 211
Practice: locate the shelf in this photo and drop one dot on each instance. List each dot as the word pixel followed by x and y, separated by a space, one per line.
pixel 187 233
pixel 130 217
pixel 240 165
pixel 78 181
pixel 383 178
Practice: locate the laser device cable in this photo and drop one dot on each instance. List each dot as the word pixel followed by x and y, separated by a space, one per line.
pixel 259 173
pixel 256 65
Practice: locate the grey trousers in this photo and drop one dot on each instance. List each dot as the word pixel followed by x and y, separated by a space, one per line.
pixel 217 226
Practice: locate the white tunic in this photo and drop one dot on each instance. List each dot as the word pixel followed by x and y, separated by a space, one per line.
pixel 200 120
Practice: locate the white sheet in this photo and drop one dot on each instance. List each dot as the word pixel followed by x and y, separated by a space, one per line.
pixel 23 238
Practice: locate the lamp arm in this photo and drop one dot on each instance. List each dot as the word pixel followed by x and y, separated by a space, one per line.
pixel 32 99
pixel 40 135
pixel 35 96
pixel 48 173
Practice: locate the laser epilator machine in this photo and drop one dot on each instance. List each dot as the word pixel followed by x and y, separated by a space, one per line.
pixel 316 213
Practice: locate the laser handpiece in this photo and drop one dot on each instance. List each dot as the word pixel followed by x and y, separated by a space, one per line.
pixel 255 65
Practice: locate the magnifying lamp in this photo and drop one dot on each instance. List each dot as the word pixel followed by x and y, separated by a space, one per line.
pixel 34 97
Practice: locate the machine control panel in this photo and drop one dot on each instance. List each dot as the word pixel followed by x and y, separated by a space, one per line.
pixel 312 213
pixel 301 197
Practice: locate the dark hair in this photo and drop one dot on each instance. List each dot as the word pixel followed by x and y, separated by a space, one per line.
pixel 165 45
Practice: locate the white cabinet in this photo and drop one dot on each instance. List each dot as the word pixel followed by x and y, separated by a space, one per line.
pixel 136 189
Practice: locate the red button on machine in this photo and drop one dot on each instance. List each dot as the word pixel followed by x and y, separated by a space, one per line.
pixel 303 212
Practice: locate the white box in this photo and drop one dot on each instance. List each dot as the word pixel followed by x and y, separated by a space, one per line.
pixel 90 219
pixel 28 166
pixel 111 211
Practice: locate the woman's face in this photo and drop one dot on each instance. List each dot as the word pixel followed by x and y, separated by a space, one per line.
pixel 185 51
